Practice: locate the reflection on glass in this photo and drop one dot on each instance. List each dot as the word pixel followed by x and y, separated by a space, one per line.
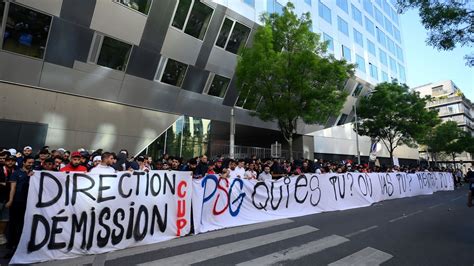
pixel 26 31
pixel 114 54
pixel 181 14
pixel 224 33
pixel 174 73
pixel 219 86
pixel 237 38
pixel 142 6
pixel 188 137
pixel 2 9
pixel 198 20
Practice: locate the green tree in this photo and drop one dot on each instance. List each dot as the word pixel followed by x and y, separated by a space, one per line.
pixel 449 22
pixel 286 75
pixel 460 142
pixel 443 138
pixel 395 115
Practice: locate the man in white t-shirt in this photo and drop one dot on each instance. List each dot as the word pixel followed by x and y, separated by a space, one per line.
pixel 265 175
pixel 105 165
pixel 238 171
pixel 251 173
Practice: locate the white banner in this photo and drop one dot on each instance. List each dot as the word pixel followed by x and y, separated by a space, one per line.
pixel 220 203
pixel 76 214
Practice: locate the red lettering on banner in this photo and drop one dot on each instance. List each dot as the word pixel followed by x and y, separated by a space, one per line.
pixel 224 189
pixel 181 222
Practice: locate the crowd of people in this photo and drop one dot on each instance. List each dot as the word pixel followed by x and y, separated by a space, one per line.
pixel 17 167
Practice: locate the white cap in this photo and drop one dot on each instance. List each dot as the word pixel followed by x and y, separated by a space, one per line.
pixel 27 148
pixel 81 150
pixel 12 151
pixel 61 149
pixel 97 158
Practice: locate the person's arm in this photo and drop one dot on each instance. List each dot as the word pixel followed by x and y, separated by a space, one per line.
pixel 12 194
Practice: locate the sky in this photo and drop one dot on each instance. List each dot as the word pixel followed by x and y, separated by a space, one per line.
pixel 425 64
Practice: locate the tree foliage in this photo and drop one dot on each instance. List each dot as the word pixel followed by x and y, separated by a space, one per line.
pixel 444 138
pixel 287 75
pixel 395 115
pixel 449 22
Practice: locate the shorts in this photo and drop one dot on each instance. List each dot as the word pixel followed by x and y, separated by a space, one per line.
pixel 4 213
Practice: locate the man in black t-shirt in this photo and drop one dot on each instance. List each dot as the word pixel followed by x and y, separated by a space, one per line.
pixel 20 182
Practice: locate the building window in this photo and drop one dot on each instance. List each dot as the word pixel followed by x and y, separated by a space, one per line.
pixel 324 12
pixel 356 15
pixel 369 26
pixel 342 119
pixel 403 78
pixel 329 40
pixel 391 46
pixel 368 7
pixel 379 2
pixel 396 34
pixel 384 76
pixel 192 16
pixel 394 16
pixel 232 36
pixel 383 57
pixel 174 72
pixel 308 2
pixel 2 10
pixel 248 101
pixel 388 25
pixel 393 65
pixel 371 48
pixel 374 72
pixel 381 37
pixel 346 53
pixel 342 26
pixel 250 3
pixel 438 90
pixel 342 4
pixel 360 62
pixel 113 53
pixel 274 7
pixel 358 38
pixel 399 53
pixel 142 6
pixel 219 86
pixel 26 31
pixel 357 90
pixel 378 16
pixel 386 7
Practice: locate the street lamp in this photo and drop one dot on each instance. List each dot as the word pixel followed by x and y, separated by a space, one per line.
pixel 357 132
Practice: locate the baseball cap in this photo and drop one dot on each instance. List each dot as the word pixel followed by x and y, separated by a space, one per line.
pixel 97 158
pixel 140 159
pixel 12 151
pixel 27 148
pixel 81 150
pixel 10 158
pixel 76 154
pixel 61 150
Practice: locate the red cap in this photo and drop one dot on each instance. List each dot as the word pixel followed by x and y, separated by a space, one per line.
pixel 76 154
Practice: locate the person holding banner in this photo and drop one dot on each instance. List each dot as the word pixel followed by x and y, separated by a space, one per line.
pixel 19 184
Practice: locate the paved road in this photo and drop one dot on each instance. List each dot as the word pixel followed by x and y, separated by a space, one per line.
pixel 424 230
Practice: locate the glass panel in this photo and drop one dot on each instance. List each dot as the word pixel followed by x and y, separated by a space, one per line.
pixel 346 53
pixel 237 38
pixel 360 63
pixel 383 57
pixel 384 76
pixel 26 31
pixel 330 41
pixel 368 7
pixel 219 86
pixel 307 2
pixel 356 14
pixel 358 38
pixel 114 54
pixel 181 13
pixel 174 73
pixel 324 12
pixel 224 34
pixel 342 26
pixel 369 26
pixel 342 4
pixel 371 47
pixel 198 20
pixel 357 90
pixel 250 2
pixel 142 6
pixel 2 9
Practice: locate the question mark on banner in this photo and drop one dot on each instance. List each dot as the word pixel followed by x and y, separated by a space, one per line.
pixel 352 181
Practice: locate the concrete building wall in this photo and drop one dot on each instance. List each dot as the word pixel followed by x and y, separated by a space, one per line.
pixel 78 122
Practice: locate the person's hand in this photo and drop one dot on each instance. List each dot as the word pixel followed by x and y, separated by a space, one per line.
pixel 18 154
pixel 31 173
pixel 8 205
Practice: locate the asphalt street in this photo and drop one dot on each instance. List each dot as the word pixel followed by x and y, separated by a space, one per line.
pixel 435 229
